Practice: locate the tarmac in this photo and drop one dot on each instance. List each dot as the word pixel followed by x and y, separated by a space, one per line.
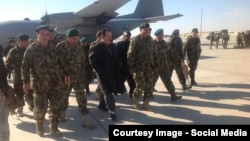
pixel 222 97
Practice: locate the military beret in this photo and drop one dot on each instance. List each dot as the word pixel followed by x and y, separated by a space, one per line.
pixel 98 33
pixel 83 39
pixel 126 33
pixel 11 39
pixel 145 25
pixel 42 27
pixel 158 32
pixel 195 30
pixel 22 37
pixel 72 32
pixel 176 32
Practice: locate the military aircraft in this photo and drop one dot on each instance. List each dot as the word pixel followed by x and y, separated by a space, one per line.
pixel 98 15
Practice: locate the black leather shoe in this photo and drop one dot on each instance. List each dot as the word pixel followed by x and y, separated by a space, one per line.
pixel 105 109
pixel 113 117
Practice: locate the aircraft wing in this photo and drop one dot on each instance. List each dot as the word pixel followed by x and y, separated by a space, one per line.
pixel 162 18
pixel 101 10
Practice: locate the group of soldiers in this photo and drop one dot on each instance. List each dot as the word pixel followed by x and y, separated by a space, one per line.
pixel 45 71
pixel 243 39
pixel 216 36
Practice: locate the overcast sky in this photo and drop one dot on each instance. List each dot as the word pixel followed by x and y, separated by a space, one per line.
pixel 216 14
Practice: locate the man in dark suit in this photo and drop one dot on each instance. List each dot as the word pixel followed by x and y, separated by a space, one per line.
pixel 103 58
pixel 122 54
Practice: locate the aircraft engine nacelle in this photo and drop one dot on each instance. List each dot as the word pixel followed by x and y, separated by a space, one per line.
pixel 62 19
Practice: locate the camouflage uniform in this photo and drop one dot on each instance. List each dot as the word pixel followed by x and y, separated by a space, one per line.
pixel 176 58
pixel 239 40
pixel 217 39
pixel 4 124
pixel 13 63
pixel 193 50
pixel 72 62
pixel 142 62
pixel 225 39
pixel 163 69
pixel 42 64
pixel 211 37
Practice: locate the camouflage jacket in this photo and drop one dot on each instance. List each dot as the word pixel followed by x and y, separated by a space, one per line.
pixel 142 54
pixel 14 62
pixel 192 48
pixel 176 49
pixel 162 57
pixel 42 64
pixel 72 59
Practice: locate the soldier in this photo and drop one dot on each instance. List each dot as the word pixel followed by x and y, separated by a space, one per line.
pixel 239 40
pixel 13 63
pixel 225 38
pixel 89 74
pixel 72 61
pixel 176 58
pixel 41 61
pixel 10 45
pixel 122 54
pixel 6 50
pixel 4 113
pixel 217 39
pixel 142 65
pixel 52 36
pixel 103 58
pixel 164 70
pixel 193 50
pixel 211 37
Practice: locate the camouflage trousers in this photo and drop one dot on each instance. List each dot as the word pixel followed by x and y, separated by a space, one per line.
pixel 4 123
pixel 176 65
pixel 44 94
pixel 166 79
pixel 145 82
pixel 193 66
pixel 19 95
pixel 29 98
pixel 81 99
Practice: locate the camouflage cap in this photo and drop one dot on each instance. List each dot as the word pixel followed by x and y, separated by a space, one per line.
pixel 195 30
pixel 42 27
pixel 83 39
pixel 22 37
pixel 72 32
pixel 144 25
pixel 176 32
pixel 158 32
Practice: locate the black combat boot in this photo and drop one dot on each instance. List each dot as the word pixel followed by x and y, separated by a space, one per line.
pixel 186 87
pixel 87 90
pixel 175 97
pixel 192 77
